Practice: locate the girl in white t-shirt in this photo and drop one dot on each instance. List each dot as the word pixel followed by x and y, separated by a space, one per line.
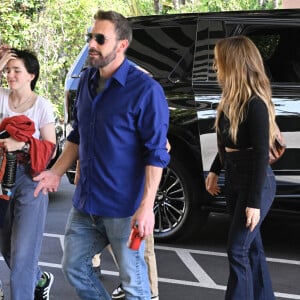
pixel 24 221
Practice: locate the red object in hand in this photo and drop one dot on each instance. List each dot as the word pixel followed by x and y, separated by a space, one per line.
pixel 134 240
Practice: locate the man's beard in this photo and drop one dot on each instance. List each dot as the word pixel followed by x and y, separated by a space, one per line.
pixel 100 61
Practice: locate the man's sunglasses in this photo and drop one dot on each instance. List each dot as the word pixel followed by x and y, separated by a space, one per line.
pixel 99 38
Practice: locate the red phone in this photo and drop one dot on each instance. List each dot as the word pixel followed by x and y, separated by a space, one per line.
pixel 134 240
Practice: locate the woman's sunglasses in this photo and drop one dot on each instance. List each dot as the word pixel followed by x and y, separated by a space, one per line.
pixel 99 38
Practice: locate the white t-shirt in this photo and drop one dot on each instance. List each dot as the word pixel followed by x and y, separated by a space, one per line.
pixel 41 113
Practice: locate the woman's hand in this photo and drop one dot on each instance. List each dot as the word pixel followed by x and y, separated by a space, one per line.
pixel 252 217
pixel 211 184
pixel 3 49
pixel 11 144
pixel 5 56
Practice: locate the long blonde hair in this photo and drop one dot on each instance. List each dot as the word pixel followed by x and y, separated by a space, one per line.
pixel 241 75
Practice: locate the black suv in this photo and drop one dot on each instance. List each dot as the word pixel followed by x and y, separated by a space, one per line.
pixel 177 50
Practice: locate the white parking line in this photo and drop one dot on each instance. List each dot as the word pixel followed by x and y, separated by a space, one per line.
pixel 203 278
pixel 61 238
pixel 185 255
pixel 223 254
pixel 195 268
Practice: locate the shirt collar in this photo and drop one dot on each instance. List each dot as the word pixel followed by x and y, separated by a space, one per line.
pixel 121 74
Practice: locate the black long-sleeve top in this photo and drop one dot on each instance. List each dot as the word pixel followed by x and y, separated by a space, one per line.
pixel 253 133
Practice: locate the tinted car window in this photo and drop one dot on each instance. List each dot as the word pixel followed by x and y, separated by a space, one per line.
pixel 171 52
pixel 280 49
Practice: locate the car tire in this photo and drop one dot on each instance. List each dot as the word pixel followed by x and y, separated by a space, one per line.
pixel 177 207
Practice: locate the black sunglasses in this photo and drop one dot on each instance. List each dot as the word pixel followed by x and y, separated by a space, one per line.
pixel 99 38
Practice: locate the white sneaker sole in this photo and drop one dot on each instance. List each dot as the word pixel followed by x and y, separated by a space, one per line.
pixel 47 294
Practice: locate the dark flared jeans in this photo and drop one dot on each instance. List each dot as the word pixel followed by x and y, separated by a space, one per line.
pixel 249 278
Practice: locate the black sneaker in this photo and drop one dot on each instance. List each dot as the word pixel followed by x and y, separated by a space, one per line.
pixel 118 293
pixel 42 293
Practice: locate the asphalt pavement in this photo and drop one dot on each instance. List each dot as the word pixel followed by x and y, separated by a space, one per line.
pixel 194 270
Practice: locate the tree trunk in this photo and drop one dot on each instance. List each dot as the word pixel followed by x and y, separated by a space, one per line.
pixel 134 7
pixel 262 3
pixel 157 7
pixel 175 4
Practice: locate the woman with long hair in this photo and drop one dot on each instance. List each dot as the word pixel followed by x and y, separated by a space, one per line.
pixel 245 125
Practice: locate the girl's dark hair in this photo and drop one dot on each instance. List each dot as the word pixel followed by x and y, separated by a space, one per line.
pixel 31 64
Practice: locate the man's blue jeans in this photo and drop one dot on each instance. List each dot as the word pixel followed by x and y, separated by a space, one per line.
pixel 249 278
pixel 87 235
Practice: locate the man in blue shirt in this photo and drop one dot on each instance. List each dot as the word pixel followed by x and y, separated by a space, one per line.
pixel 119 136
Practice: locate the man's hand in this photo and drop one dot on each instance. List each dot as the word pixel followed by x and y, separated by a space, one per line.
pixel 144 218
pixel 48 182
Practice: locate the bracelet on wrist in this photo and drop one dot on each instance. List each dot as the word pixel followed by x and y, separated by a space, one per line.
pixel 25 148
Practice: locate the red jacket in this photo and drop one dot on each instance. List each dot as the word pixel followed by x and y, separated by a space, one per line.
pixel 21 128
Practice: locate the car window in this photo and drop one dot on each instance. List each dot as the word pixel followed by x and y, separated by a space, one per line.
pixel 278 44
pixel 280 49
pixel 164 52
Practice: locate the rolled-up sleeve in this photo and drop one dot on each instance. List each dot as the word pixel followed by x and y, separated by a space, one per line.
pixel 153 126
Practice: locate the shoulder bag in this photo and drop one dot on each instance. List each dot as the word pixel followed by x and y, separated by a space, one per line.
pixel 278 148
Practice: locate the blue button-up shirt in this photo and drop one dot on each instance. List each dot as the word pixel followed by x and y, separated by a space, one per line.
pixel 119 131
